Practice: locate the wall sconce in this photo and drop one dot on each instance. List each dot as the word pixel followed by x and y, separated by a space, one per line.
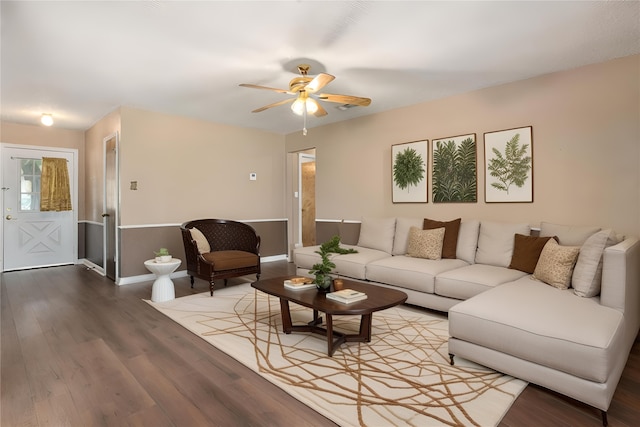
pixel 46 119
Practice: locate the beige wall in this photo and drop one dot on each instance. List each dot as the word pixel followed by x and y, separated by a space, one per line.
pixel 586 148
pixel 188 169
pixel 15 133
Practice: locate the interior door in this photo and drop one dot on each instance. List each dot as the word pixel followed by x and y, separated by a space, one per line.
pixel 32 238
pixel 110 212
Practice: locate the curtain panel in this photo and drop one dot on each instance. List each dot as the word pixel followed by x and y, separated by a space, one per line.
pixel 55 193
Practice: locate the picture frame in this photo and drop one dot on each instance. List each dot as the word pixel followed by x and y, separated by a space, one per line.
pixel 409 172
pixel 454 173
pixel 508 158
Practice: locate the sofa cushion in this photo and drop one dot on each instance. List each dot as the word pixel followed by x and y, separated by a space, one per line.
pixel 587 274
pixel 468 240
pixel 349 265
pixel 450 235
pixel 568 235
pixel 230 260
pixel 201 241
pixel 426 243
pixel 412 273
pixel 377 233
pixel 354 265
pixel 555 265
pixel 401 237
pixel 306 256
pixel 466 282
pixel 495 242
pixel 527 318
pixel 526 251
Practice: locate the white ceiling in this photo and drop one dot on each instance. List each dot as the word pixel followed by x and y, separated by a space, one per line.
pixel 82 60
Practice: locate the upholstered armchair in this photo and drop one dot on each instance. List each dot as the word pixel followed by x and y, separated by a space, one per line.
pixel 219 249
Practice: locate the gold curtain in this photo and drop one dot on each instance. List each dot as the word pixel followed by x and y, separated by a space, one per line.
pixel 55 193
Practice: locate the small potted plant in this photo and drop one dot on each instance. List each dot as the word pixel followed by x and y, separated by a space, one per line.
pixel 322 270
pixel 163 255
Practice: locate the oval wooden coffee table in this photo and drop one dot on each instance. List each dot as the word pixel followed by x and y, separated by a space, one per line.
pixel 378 298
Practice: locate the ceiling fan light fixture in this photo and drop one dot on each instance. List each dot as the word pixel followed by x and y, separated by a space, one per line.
pixel 299 104
pixel 46 119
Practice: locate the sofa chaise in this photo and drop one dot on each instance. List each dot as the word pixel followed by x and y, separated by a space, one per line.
pixel 559 308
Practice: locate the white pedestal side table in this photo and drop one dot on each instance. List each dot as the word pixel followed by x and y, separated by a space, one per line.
pixel 162 289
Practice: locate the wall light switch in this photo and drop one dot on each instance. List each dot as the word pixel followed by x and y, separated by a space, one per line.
pixel 134 185
pixel 253 176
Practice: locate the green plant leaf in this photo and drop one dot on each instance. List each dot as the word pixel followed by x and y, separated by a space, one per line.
pixel 408 168
pixel 512 168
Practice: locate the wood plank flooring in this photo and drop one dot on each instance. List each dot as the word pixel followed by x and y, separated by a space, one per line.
pixel 77 350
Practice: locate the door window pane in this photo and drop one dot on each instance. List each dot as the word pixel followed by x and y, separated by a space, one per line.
pixel 30 171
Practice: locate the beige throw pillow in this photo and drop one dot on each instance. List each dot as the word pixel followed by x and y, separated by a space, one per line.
pixel 425 243
pixel 201 241
pixel 555 264
pixel 587 275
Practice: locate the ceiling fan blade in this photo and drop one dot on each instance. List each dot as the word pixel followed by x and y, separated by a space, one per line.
pixel 319 81
pixel 321 111
pixel 275 104
pixel 266 88
pixel 344 99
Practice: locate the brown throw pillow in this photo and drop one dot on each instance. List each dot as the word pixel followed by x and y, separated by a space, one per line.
pixel 526 252
pixel 451 229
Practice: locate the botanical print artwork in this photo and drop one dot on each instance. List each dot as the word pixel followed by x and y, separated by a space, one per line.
pixel 509 165
pixel 409 170
pixel 454 176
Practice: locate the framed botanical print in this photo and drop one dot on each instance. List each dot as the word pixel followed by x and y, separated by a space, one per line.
pixel 508 156
pixel 409 172
pixel 454 177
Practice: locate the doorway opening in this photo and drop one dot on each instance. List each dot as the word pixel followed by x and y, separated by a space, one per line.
pixel 302 199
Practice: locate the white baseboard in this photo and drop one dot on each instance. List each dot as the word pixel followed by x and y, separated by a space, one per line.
pixel 181 273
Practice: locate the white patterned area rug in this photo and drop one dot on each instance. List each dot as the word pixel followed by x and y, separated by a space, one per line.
pixel 402 377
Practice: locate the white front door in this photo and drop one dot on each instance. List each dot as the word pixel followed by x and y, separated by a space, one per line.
pixel 32 238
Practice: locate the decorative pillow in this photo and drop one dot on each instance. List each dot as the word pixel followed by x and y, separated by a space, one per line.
pixel 556 264
pixel 201 241
pixel 401 238
pixel 377 233
pixel 568 235
pixel 495 242
pixel 426 243
pixel 468 240
pixel 526 251
pixel 587 274
pixel 451 229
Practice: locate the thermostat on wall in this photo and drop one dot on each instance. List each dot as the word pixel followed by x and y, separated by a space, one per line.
pixel 253 176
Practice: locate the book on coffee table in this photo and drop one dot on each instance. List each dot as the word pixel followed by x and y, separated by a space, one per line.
pixel 299 283
pixel 346 296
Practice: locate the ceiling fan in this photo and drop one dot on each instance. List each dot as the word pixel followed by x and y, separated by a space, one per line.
pixel 306 88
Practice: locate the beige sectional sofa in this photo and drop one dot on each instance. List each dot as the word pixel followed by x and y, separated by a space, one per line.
pixel 575 341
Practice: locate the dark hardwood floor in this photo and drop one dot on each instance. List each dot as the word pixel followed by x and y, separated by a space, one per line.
pixel 78 350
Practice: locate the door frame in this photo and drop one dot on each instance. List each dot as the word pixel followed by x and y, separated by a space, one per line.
pixel 74 195
pixel 116 220
pixel 293 199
